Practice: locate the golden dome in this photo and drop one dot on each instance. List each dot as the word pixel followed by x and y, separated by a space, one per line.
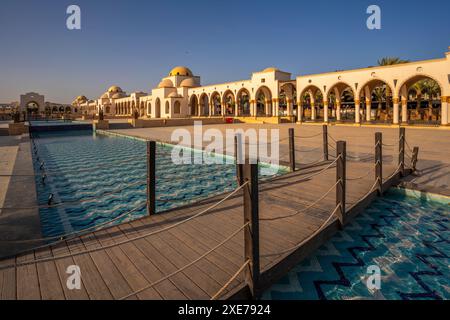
pixel 189 83
pixel 81 98
pixel 165 84
pixel 114 89
pixel 272 69
pixel 181 71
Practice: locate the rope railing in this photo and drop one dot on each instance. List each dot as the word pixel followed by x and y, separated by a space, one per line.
pixel 81 201
pixel 228 283
pixel 25 263
pixel 304 209
pixel 77 233
pixel 308 137
pixel 291 249
pixel 134 293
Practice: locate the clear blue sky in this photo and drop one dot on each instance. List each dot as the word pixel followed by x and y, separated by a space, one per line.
pixel 135 43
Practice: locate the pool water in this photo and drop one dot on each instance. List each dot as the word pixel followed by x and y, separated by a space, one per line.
pixel 405 234
pixel 100 177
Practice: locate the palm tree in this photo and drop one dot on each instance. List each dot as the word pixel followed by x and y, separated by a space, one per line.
pixel 390 61
pixel 379 93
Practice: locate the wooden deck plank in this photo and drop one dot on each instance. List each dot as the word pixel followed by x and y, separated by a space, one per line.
pixel 8 281
pixel 27 279
pixel 49 280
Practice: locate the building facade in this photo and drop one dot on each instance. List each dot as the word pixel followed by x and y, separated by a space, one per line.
pixel 385 93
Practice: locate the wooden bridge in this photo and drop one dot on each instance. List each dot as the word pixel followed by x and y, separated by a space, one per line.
pixel 231 246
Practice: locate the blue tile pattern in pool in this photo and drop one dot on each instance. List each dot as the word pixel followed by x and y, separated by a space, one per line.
pixel 406 235
pixel 84 170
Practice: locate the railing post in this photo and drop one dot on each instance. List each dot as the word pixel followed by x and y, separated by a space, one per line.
pixel 341 154
pixel 238 157
pixel 414 158
pixel 151 177
pixel 251 232
pixel 325 142
pixel 292 149
pixel 401 151
pixel 379 161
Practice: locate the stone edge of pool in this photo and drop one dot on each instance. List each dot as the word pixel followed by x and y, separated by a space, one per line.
pixel 21 192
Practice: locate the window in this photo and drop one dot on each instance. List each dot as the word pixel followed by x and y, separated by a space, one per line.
pixel 167 107
pixel 177 107
pixel 263 80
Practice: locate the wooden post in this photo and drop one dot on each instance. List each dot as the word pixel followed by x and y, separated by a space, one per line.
pixel 292 149
pixel 151 177
pixel 251 232
pixel 414 158
pixel 325 142
pixel 379 161
pixel 238 158
pixel 401 151
pixel 341 147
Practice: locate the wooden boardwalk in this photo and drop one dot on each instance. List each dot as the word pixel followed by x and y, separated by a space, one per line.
pixel 127 266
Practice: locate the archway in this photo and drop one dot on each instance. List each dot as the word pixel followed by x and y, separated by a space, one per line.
pixel 287 104
pixel 311 99
pixel 158 108
pixel 376 94
pixel 243 102
pixel 229 103
pixel 344 101
pixel 216 104
pixel 167 109
pixel 264 102
pixel 204 105
pixel 32 108
pixel 193 105
pixel 177 107
pixel 421 100
pixel 149 108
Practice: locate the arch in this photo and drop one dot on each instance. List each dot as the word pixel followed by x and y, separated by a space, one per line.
pixel 263 99
pixel 177 107
pixel 229 102
pixel 287 99
pixel 193 106
pixel 32 107
pixel 167 108
pixel 157 108
pixel 243 102
pixel 344 101
pixel 149 108
pixel 216 104
pixel 310 100
pixel 421 99
pixel 204 104
pixel 376 92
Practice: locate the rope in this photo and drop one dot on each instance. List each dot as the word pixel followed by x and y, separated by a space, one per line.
pixel 74 233
pixel 304 209
pixel 306 151
pixel 25 263
pixel 74 201
pixel 186 266
pixel 308 137
pixel 395 172
pixel 304 241
pixel 216 296
pixel 360 177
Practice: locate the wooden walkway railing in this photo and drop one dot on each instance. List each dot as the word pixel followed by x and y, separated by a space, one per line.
pixel 256 278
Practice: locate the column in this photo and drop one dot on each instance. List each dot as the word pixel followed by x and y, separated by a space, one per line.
pixel 396 111
pixel 445 101
pixel 325 111
pixel 275 108
pixel 222 106
pixel 299 111
pixel 313 111
pixel 357 111
pixel 236 109
pixel 253 108
pixel 368 110
pixel 404 110
pixel 338 110
pixel 289 107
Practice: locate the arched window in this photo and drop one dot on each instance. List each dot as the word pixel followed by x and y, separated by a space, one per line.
pixel 167 107
pixel 177 107
pixel 149 108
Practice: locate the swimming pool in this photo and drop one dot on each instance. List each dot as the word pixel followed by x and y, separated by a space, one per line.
pixel 405 234
pixel 101 177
